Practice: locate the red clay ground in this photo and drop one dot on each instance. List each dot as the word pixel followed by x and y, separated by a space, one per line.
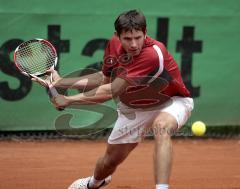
pixel 198 164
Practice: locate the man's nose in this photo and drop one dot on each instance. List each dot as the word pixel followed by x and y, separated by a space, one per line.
pixel 133 44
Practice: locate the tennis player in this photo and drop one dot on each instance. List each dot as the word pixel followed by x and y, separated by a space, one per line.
pixel 143 75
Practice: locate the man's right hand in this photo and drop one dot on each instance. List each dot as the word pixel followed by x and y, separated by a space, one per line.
pixel 47 80
pixel 55 76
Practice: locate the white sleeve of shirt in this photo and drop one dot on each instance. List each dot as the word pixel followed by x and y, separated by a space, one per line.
pixel 161 65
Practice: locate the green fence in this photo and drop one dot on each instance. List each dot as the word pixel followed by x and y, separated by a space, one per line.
pixel 207 30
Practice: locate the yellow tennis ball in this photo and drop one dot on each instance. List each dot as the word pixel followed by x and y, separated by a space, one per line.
pixel 198 128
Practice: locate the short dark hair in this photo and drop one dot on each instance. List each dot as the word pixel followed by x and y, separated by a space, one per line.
pixel 130 20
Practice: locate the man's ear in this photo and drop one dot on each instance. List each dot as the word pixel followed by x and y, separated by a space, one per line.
pixel 115 33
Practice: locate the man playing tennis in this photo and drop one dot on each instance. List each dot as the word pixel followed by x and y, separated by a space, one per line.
pixel 143 75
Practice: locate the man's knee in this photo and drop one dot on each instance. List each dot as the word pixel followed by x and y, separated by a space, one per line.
pixel 164 127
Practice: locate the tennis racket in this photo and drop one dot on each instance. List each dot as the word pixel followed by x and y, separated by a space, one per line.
pixel 33 58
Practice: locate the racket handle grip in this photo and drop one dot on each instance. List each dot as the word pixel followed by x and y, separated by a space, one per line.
pixel 52 92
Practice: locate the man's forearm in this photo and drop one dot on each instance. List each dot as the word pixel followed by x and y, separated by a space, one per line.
pixel 88 81
pixel 97 95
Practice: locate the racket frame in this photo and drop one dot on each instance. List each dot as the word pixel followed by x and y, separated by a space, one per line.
pixel 52 90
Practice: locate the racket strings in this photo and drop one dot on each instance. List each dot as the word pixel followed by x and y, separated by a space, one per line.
pixel 35 57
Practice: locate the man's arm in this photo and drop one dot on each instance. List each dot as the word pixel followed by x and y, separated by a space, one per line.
pixel 98 95
pixel 89 81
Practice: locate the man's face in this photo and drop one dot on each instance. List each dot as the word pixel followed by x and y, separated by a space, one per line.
pixel 132 41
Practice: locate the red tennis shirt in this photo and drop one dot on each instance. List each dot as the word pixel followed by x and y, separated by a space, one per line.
pixel 153 74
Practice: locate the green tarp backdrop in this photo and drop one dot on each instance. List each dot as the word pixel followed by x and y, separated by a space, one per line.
pixel 203 37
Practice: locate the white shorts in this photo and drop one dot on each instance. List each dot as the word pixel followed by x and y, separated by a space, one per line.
pixel 131 124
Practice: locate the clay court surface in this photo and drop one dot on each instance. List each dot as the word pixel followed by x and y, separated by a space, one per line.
pixel 198 164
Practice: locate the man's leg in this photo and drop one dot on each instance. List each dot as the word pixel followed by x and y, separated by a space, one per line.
pixel 105 166
pixel 114 155
pixel 163 126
